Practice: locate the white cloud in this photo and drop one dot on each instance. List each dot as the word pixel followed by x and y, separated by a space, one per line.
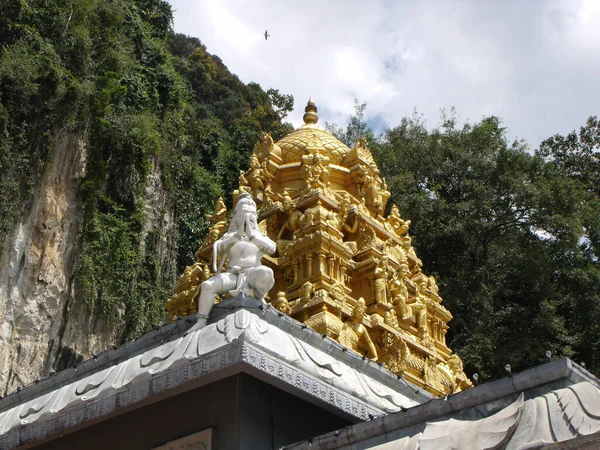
pixel 535 64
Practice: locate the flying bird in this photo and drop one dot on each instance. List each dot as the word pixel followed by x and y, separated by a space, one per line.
pixel 267 34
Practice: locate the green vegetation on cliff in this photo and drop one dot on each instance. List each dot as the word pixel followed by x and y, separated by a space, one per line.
pixel 147 103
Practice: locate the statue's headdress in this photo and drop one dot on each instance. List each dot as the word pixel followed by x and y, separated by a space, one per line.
pixel 245 199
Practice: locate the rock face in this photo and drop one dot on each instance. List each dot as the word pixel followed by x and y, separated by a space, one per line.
pixel 159 220
pixel 42 327
pixel 44 324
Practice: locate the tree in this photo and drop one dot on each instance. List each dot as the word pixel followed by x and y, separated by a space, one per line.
pixel 577 158
pixel 357 126
pixel 498 227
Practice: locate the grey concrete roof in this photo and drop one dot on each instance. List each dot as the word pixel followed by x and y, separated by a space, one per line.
pixel 256 340
pixel 556 404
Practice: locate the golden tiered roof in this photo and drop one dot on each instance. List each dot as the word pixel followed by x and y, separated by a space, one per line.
pixel 341 266
pixel 294 145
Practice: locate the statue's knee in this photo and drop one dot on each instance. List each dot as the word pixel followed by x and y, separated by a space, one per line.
pixel 265 271
pixel 207 286
pixel 263 278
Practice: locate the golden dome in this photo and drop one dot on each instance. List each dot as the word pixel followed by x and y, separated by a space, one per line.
pixel 295 144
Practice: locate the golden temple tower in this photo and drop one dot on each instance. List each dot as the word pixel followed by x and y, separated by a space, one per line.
pixel 341 267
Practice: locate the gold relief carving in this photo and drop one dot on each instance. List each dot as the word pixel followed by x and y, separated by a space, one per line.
pixel 322 203
pixel 394 251
pixel 185 299
pixel 325 322
pixel 339 219
pixel 314 141
pixel 257 177
pixel 306 292
pixel 314 171
pixel 366 237
pixel 399 292
pixel 219 220
pixel 419 307
pixel 296 219
pixel 338 293
pixel 370 187
pixel 244 185
pixel 415 262
pixel 432 286
pixel 434 376
pixel 395 223
pixel 395 354
pixel 380 281
pixel 265 147
pixel 391 319
pixel 268 197
pixel 281 304
pixel 460 380
pixel 362 150
pixel 354 332
pixel 362 207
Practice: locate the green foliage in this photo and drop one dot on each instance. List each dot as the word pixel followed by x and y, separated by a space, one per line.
pixel 151 105
pixel 576 157
pixel 357 126
pixel 505 232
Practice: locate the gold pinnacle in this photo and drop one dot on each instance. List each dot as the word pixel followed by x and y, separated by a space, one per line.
pixel 310 112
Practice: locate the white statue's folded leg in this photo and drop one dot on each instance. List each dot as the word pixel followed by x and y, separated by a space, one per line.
pixel 217 284
pixel 261 279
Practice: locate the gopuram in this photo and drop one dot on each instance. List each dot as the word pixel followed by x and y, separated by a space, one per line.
pixel 341 266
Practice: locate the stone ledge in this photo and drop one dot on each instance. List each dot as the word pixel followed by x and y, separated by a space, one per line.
pixel 538 400
pixel 239 342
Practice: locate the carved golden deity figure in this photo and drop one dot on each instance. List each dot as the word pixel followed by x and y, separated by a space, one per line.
pixel 399 292
pixel 314 171
pixel 354 332
pixel 187 290
pixel 295 220
pixel 461 381
pixel 420 308
pixel 256 176
pixel 281 304
pixel 396 223
pixel 306 292
pixel 381 281
pixel 341 267
pixel 219 221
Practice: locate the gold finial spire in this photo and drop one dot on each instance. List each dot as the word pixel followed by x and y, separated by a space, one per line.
pixel 310 112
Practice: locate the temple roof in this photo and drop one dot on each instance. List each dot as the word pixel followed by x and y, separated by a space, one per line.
pixel 255 340
pixel 295 144
pixel 556 405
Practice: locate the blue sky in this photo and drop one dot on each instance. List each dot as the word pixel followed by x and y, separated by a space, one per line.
pixel 533 63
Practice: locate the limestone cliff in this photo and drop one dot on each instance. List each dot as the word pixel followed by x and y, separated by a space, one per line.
pixel 37 306
pixel 45 324
pixel 96 220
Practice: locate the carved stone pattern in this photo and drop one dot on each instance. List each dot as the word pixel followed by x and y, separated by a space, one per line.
pixel 308 384
pixel 230 341
pixel 560 416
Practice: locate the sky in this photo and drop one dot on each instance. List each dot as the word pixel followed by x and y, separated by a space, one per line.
pixel 533 63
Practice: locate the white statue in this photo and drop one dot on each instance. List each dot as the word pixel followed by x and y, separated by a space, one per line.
pixel 244 245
